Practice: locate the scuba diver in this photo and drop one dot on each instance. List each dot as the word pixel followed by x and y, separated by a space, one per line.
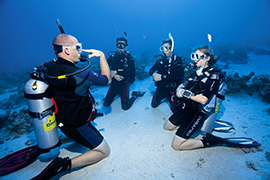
pixel 195 95
pixel 75 104
pixel 168 74
pixel 123 74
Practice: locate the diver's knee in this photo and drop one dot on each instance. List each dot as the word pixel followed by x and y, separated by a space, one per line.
pixel 107 151
pixel 169 126
pixel 154 105
pixel 177 143
pixel 104 148
pixel 125 107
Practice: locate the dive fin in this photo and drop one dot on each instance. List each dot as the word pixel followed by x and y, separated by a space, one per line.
pixel 19 159
pixel 241 142
pixel 223 126
pixel 210 140
pixel 22 158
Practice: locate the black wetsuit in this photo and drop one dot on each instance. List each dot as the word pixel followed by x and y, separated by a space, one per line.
pixel 74 101
pixel 123 63
pixel 172 74
pixel 191 115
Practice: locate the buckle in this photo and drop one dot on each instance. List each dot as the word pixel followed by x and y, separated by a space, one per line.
pixel 39 116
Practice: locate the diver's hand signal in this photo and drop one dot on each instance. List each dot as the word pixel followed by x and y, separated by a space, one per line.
pixel 93 53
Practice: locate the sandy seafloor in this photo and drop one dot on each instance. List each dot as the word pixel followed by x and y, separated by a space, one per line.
pixel 141 149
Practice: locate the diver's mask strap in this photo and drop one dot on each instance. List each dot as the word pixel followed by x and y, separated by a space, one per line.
pixel 57 48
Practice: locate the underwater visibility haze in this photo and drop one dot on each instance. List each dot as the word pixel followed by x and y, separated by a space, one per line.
pixel 240 37
pixel 28 27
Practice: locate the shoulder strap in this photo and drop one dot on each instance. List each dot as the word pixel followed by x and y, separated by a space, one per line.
pixel 205 74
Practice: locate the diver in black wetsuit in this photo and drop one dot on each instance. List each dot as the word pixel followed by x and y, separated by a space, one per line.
pixel 123 74
pixel 195 92
pixel 75 103
pixel 168 74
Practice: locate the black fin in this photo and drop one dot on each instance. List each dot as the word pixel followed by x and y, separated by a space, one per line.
pixel 210 140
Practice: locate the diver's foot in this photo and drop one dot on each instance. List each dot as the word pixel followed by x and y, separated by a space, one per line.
pixel 57 166
pixel 211 140
pixel 138 93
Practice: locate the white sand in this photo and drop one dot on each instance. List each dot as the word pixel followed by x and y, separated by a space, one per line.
pixel 141 149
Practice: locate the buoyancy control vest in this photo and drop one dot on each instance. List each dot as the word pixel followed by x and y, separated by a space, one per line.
pixel 171 70
pixel 72 108
pixel 123 63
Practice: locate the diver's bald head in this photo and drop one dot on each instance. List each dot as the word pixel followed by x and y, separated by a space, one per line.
pixel 64 40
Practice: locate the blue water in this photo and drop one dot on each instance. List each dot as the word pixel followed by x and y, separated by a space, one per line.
pixel 28 27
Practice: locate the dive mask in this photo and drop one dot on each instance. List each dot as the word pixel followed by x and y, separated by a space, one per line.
pixel 164 48
pixel 78 47
pixel 196 56
pixel 59 48
pixel 121 45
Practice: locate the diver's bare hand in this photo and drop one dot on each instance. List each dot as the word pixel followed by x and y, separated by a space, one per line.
pixel 118 77
pixel 93 53
pixel 157 77
pixel 180 92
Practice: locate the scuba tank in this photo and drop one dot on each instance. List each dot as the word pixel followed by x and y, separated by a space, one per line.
pixel 41 110
pixel 216 101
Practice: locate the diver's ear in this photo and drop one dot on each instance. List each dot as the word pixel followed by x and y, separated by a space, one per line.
pixel 66 50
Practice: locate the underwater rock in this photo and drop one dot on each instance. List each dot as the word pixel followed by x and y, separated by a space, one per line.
pixel 140 73
pixel 247 78
pixel 267 156
pixel 14 124
pixel 258 50
pixel 14 101
pixel 235 83
pixel 17 99
pixel 261 84
pixel 265 93
pixel 232 53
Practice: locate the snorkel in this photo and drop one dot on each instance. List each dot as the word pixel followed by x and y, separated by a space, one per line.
pixel 209 39
pixel 167 46
pixel 170 36
pixel 199 71
pixel 60 26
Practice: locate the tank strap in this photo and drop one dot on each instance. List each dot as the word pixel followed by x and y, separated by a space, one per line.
pixel 43 114
pixel 34 96
pixel 221 96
